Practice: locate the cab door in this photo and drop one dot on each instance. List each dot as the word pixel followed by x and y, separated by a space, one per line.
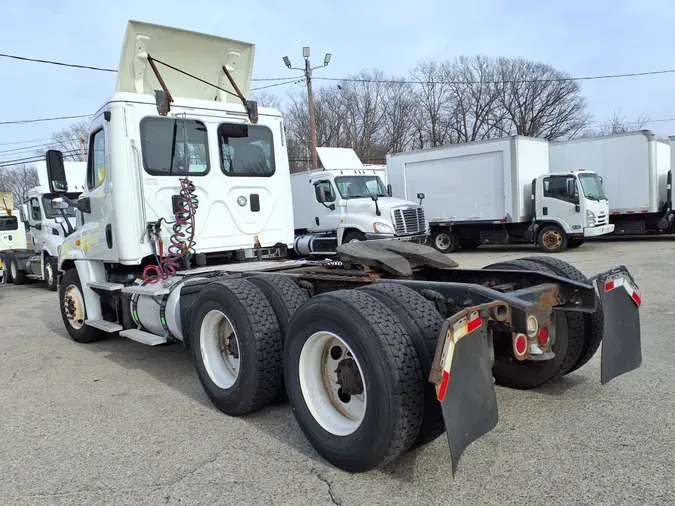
pixel 97 236
pixel 325 218
pixel 560 203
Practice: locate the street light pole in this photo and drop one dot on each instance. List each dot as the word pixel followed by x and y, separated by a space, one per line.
pixel 310 96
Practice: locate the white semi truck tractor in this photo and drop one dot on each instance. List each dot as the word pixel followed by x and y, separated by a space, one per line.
pixel 348 202
pixel 188 201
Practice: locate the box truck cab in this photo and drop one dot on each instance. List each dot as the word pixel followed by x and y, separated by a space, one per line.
pixel 570 207
pixel 348 202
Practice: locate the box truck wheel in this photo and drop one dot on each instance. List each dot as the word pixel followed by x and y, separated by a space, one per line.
pixel 552 239
pixel 286 297
pixel 50 273
pixel 18 276
pixel 593 322
pixel 74 311
pixel 568 345
pixel 353 379
pixel 444 240
pixel 423 323
pixel 237 346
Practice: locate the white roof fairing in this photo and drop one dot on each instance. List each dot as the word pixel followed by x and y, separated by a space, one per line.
pixel 198 54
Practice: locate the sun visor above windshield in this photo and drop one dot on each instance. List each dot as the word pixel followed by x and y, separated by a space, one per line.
pixel 339 158
pixel 198 54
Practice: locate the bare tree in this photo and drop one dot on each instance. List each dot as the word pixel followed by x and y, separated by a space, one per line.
pixel 266 99
pixel 616 125
pixel 432 127
pixel 68 141
pixel 18 180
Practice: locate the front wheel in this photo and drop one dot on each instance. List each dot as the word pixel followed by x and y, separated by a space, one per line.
pixel 353 379
pixel 354 237
pixel 552 239
pixel 74 311
pixel 50 274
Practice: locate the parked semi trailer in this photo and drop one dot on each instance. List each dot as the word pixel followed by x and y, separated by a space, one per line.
pixel 636 172
pixel 499 191
pixel 46 229
pixel 348 202
pixel 384 348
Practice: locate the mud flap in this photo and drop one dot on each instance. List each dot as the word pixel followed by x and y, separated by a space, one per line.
pixel 468 400
pixel 621 346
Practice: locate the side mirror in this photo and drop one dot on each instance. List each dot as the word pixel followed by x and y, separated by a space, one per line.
pixel 331 207
pixel 577 208
pixel 571 187
pixel 390 190
pixel 421 197
pixel 23 212
pixel 56 172
pixel 321 194
pixel 59 203
pixel 374 197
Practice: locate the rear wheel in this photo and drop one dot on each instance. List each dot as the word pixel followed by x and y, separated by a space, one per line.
pixel 552 239
pixel 18 276
pixel 444 240
pixel 50 273
pixel 567 347
pixel 353 379
pixel 238 348
pixel 74 311
pixel 593 322
pixel 423 324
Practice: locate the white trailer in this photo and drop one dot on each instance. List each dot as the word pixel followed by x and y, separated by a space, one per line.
pixel 498 192
pixel 362 345
pixel 12 234
pixel 46 228
pixel 347 202
pixel 636 172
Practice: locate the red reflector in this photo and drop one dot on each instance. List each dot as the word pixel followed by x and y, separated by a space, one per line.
pixel 645 211
pixel 543 336
pixel 609 286
pixel 614 212
pixel 636 298
pixel 473 325
pixel 443 387
pixel 631 212
pixel 521 344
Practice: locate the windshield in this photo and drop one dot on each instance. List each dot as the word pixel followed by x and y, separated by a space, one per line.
pixel 54 213
pixel 356 187
pixel 592 186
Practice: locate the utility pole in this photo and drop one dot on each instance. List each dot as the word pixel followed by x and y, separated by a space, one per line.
pixel 83 156
pixel 310 97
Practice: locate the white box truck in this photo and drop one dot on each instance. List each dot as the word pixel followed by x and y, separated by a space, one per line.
pixel 499 191
pixel 347 202
pixel 12 234
pixel 636 172
pixel 376 350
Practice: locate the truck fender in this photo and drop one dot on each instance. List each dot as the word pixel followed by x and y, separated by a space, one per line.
pixel 560 222
pixel 344 229
pixel 90 271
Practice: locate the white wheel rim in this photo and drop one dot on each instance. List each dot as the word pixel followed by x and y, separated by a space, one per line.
pixel 73 306
pixel 12 268
pixel 220 349
pixel 442 241
pixel 355 240
pixel 50 275
pixel 337 412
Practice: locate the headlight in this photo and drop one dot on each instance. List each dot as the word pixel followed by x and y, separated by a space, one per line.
pixel 382 228
pixel 590 218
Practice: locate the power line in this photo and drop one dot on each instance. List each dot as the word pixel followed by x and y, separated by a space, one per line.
pixel 22 142
pixel 38 120
pixel 292 81
pixel 32 159
pixel 383 81
pixel 37 146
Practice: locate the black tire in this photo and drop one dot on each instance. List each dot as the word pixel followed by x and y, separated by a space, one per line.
pixel 50 274
pixel 593 323
pixel 392 376
pixel 556 244
pixel 19 276
pixel 354 236
pixel 423 324
pixel 469 243
pixel 84 334
pixel 259 345
pixel 575 243
pixel 569 341
pixel 445 241
pixel 286 298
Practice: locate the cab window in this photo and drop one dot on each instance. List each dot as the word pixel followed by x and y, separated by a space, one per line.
pixel 246 150
pixel 96 160
pixel 35 213
pixel 174 146
pixel 330 194
pixel 8 223
pixel 556 187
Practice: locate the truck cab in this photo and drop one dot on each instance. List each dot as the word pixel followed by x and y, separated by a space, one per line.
pixel 569 207
pixel 348 202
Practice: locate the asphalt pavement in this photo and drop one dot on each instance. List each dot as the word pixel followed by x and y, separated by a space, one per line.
pixel 116 422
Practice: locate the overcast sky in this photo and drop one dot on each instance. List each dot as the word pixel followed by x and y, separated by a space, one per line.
pixel 588 37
